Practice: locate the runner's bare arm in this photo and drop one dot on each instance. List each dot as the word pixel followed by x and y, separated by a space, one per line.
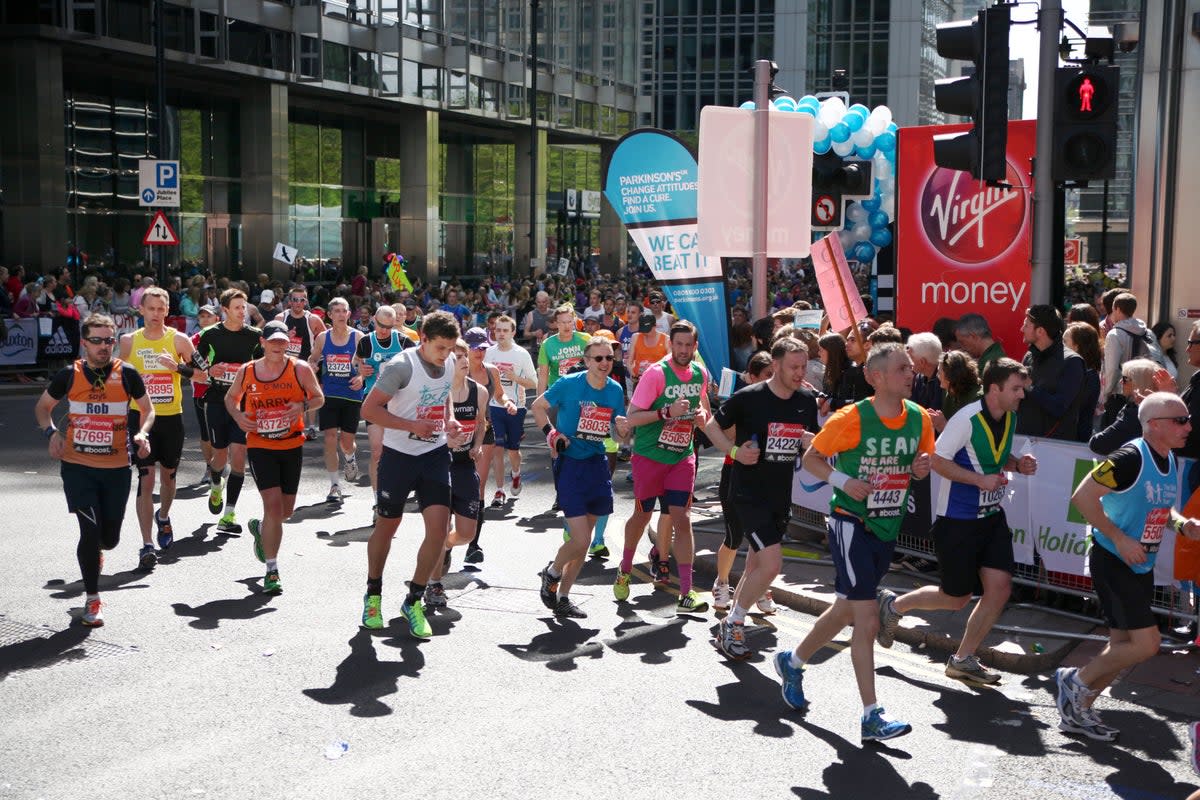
pixel 953 472
pixel 126 346
pixel 142 437
pixel 814 461
pixel 318 349
pixel 543 378
pixel 541 411
pixel 310 385
pixel 233 399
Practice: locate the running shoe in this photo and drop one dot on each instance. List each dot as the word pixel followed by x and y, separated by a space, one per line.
pixel 310 433
pixel 690 603
pixel 418 626
pixel 92 617
pixel 722 594
pixel 598 551
pixel 516 485
pixel 1194 737
pixel 350 471
pixel 766 603
pixel 474 554
pixel 565 608
pixel 498 499
pixel 653 554
pixel 166 534
pixel 336 495
pixel 1067 699
pixel 731 640
pixel 889 617
pixel 255 526
pixel 1089 724
pixel 435 596
pixel 969 669
pixel 228 524
pixel 662 573
pixel 793 680
pixel 216 496
pixel 147 558
pixel 621 586
pixel 372 612
pixel 549 589
pixel 879 726
pixel 271 584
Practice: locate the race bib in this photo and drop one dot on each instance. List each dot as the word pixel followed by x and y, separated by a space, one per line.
pixel 990 501
pixel 1156 521
pixel 595 423
pixel 568 364
pixel 338 365
pixel 223 373
pixel 505 373
pixel 676 436
pixel 159 387
pixel 468 431
pixel 93 435
pixel 295 343
pixel 783 441
pixel 436 414
pixel 888 492
pixel 272 423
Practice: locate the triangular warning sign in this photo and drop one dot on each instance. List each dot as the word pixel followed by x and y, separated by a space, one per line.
pixel 160 231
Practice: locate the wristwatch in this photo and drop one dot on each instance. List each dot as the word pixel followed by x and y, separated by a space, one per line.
pixel 49 431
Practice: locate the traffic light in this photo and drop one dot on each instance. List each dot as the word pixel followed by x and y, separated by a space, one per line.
pixel 1085 123
pixel 983 95
pixel 834 180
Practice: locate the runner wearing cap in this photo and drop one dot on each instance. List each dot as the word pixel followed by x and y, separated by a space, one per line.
pixel 517 375
pixel 373 352
pixel 208 315
pixel 303 327
pixel 647 347
pixel 338 417
pixel 268 399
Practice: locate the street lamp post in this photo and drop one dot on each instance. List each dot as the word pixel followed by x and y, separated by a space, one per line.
pixel 534 7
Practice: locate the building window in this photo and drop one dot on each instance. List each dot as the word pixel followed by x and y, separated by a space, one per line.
pixel 337 62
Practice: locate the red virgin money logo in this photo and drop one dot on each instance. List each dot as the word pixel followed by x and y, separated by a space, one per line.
pixel 966 220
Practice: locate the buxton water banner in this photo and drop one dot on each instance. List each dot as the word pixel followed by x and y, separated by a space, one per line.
pixel 651 180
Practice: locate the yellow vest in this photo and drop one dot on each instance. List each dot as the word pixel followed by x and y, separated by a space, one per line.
pixel 162 385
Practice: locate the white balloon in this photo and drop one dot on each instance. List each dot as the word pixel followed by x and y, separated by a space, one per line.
pixel 887 185
pixel 863 137
pixel 820 130
pixel 843 148
pixel 836 106
pixel 883 169
pixel 856 213
pixel 862 233
pixel 847 238
pixel 886 113
pixel 888 206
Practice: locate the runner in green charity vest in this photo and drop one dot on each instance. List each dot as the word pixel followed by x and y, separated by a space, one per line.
pixel 561 353
pixel 669 441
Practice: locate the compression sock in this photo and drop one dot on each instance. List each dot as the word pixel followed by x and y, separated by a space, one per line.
pixel 627 559
pixel 374 585
pixel 415 592
pixel 234 490
pixel 598 534
pixel 685 578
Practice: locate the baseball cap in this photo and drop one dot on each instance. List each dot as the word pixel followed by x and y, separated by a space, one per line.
pixel 209 308
pixel 267 296
pixel 410 303
pixel 476 338
pixel 275 330
pixel 646 323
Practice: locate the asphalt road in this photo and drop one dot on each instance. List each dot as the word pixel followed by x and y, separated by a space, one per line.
pixel 200 686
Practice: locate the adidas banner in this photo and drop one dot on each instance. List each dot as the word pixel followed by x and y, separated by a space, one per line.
pixel 63 341
pixel 651 181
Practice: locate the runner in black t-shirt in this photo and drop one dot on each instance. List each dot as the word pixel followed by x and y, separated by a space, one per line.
pixel 774 422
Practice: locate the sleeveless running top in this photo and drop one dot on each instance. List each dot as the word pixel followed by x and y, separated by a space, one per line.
pixel 265 403
pixel 299 335
pixel 644 355
pixel 97 433
pixel 162 385
pixel 467 414
pixel 1142 511
pixel 339 367
pixel 424 397
pixel 380 355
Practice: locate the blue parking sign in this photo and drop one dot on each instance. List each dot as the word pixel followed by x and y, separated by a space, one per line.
pixel 166 175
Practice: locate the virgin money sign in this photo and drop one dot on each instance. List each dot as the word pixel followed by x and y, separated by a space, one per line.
pixel 962 246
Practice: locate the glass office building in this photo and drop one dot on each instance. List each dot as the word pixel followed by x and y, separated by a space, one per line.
pixel 344 129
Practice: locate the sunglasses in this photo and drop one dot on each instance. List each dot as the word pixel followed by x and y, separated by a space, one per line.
pixel 602 358
pixel 298 299
pixel 1184 420
pixel 1193 341
pixel 108 340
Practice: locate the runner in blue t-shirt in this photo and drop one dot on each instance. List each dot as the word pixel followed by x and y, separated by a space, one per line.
pixel 590 407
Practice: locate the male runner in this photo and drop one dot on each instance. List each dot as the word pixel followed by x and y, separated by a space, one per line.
pixel 516 376
pixel 669 402
pixel 267 400
pixel 160 355
pixel 303 327
pixel 774 421
pixel 223 349
pixel 469 400
pixel 207 316
pixel 94 448
pixel 487 376
pixel 1128 500
pixel 559 353
pixel 410 401
pixel 589 406
pixel 880 444
pixel 373 352
pixel 338 418
pixel 970 534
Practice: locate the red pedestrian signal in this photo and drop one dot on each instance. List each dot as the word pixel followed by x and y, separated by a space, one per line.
pixel 1085 123
pixel 1086 90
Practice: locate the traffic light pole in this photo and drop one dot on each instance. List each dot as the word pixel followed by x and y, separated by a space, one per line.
pixel 758 264
pixel 1050 21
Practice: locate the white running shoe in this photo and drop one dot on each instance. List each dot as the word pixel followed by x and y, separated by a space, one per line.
pixel 351 470
pixel 766 603
pixel 722 595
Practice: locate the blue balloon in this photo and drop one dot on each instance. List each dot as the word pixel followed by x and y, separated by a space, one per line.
pixel 749 105
pixel 839 132
pixel 810 110
pixel 808 99
pixel 865 152
pixel 822 147
pixel 860 109
pixel 886 142
pixel 864 252
pixel 881 237
pixel 892 127
pixel 854 122
pixel 871 204
pixel 785 104
pixel 878 219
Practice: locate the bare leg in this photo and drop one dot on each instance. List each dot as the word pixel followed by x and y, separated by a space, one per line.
pixel 145 501
pixel 572 552
pixel 166 491
pixel 762 567
pixel 437 518
pixel 1124 650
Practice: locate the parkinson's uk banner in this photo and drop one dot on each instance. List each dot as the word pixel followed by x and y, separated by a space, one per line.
pixel 651 181
pixel 1038 508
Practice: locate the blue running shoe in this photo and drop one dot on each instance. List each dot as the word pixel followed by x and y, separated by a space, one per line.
pixel 878 727
pixel 793 681
pixel 166 534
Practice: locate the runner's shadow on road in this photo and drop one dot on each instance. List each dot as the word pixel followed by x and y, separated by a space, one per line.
pixel 346 536
pixel 198 543
pixel 320 510
pixel 981 714
pixel 208 616
pixel 61 590
pixel 362 679
pixel 1132 776
pixel 654 642
pixel 541 522
pixel 861 771
pixel 39 652
pixel 559 646
pixel 750 697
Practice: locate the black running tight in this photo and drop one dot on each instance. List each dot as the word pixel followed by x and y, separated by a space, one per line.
pixel 95 534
